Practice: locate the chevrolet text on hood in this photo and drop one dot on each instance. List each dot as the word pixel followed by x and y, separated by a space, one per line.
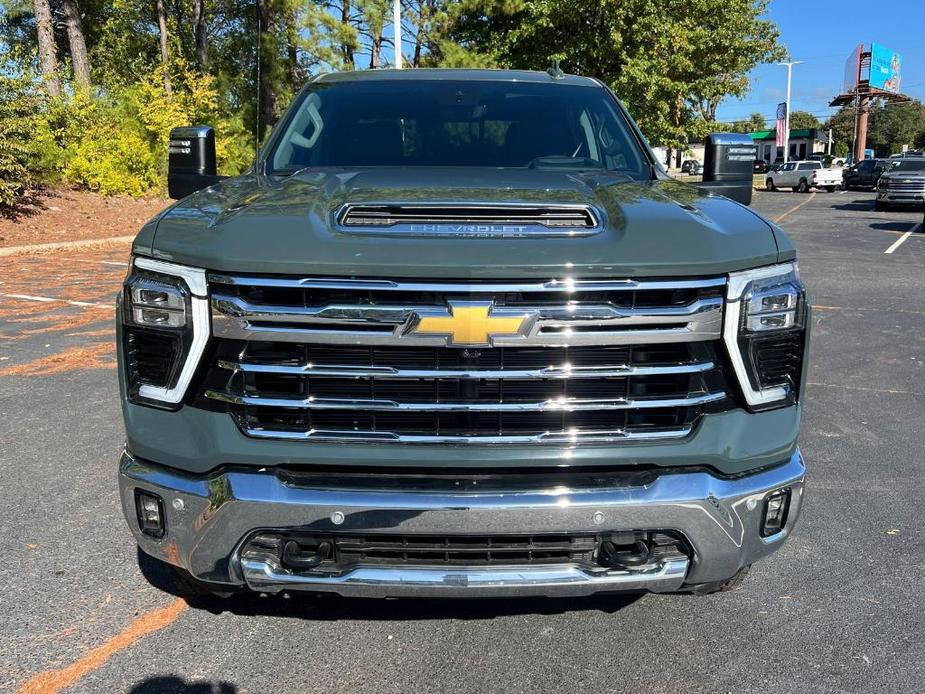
pixel 458 334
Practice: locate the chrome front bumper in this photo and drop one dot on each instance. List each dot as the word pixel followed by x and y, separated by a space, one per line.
pixel 209 518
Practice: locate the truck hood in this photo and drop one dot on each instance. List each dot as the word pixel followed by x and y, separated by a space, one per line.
pixel 903 174
pixel 259 224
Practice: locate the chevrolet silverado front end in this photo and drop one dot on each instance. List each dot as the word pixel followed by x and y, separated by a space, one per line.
pixel 457 334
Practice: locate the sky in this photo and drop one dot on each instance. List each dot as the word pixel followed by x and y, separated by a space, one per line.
pixel 822 35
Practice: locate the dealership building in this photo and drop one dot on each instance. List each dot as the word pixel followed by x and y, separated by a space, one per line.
pixel 803 142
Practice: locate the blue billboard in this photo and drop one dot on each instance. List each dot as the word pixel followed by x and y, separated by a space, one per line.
pixel 885 68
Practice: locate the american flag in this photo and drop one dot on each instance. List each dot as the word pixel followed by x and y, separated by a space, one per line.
pixel 781 123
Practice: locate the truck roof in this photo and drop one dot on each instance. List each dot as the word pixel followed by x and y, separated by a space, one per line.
pixel 480 74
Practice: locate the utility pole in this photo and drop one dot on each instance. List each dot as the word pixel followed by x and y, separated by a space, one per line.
pixel 864 112
pixel 396 21
pixel 787 124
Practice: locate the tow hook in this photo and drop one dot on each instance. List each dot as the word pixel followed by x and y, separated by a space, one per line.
pixel 623 550
pixel 294 558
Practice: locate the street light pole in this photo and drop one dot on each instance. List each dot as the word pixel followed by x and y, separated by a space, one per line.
pixel 787 124
pixel 396 22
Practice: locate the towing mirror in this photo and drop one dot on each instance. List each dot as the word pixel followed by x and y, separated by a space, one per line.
pixel 191 160
pixel 727 166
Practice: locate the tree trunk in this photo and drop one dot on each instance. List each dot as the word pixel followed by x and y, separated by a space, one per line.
pixel 292 53
pixel 347 48
pixel 201 29
pixel 47 53
pixel 165 56
pixel 416 56
pixel 268 99
pixel 374 50
pixel 75 36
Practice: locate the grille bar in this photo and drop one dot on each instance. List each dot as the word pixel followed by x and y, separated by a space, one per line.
pixel 550 316
pixel 551 372
pixel 561 404
pixel 575 437
pixel 450 287
pixel 575 322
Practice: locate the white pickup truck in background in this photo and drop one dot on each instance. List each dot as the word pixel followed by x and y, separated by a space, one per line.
pixel 803 175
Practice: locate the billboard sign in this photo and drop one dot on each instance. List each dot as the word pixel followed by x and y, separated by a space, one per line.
pixel 885 68
pixel 853 70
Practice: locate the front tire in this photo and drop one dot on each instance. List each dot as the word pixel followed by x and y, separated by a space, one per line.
pixel 179 582
pixel 726 586
pixel 769 184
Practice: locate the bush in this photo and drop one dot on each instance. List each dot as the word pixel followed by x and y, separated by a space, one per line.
pixel 111 142
pixel 18 108
pixel 99 146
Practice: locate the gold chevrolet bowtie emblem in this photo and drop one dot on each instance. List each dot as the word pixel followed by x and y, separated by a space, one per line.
pixel 470 323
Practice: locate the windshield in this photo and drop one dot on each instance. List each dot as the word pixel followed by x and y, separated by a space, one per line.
pixel 907 165
pixel 456 123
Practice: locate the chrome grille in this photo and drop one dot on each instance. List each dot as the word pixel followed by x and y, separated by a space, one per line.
pixel 337 361
pixel 385 313
pixel 910 185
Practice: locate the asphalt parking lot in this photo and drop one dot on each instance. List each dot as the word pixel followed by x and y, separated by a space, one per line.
pixel 838 609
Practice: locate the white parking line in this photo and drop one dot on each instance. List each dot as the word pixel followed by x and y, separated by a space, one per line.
pixel 49 299
pixel 902 239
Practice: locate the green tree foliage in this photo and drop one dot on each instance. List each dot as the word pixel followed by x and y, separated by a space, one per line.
pixel 889 127
pixel 17 134
pixel 672 61
pixel 800 120
pixel 753 123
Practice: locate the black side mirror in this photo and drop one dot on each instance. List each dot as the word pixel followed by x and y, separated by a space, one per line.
pixel 191 160
pixel 728 159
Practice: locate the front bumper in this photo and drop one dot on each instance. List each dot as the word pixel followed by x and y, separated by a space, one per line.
pixel 900 197
pixel 210 517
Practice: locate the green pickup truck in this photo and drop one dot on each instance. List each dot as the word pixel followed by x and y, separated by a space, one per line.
pixel 458 334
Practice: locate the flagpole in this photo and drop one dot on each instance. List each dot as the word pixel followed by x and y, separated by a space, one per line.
pixel 787 123
pixel 396 24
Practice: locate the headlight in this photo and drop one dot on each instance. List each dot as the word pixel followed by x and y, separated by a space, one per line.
pixel 765 333
pixel 165 327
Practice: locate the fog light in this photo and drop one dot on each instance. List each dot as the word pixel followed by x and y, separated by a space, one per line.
pixel 775 512
pixel 150 510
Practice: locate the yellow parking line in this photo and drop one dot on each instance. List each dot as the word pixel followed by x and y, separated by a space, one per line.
pixel 795 208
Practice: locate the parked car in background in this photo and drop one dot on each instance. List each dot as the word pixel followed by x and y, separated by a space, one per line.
pixel 803 175
pixel 902 183
pixel 827 160
pixel 864 174
pixel 912 153
pixel 761 166
pixel 690 166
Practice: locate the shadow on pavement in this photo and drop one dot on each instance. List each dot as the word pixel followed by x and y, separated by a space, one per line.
pixel 865 204
pixel 323 607
pixel 170 684
pixel 903 225
pixel 333 607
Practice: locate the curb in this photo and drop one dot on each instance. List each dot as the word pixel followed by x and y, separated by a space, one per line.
pixel 63 246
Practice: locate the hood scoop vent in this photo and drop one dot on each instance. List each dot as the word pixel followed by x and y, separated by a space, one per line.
pixel 480 221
